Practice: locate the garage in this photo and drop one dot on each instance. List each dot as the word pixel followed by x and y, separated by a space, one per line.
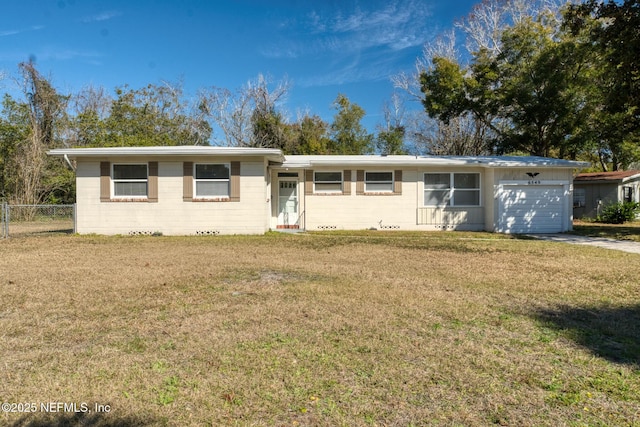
pixel 532 208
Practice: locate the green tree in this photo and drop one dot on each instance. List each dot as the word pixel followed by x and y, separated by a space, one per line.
pixel 348 136
pixel 529 94
pixel 152 115
pixel 480 32
pixel 391 141
pixel 14 130
pixel 611 30
pixel 310 134
pixel 86 126
pixel 269 129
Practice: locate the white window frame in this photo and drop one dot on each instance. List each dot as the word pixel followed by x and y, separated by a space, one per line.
pixel 196 180
pixel 316 181
pixel 114 181
pixel 630 190
pixel 367 182
pixel 450 198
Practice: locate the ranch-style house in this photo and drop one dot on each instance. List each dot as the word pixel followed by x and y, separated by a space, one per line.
pixel 203 190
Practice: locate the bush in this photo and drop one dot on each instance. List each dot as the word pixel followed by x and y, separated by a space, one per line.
pixel 619 213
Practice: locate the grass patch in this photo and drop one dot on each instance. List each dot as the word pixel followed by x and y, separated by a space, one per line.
pixel 627 231
pixel 354 328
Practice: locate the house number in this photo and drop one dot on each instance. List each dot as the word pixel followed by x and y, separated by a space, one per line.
pixel 534 182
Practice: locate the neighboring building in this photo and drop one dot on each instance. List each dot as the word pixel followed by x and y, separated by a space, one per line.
pixel 593 191
pixel 216 190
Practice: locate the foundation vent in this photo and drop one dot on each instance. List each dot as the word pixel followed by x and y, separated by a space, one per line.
pixel 389 227
pixel 327 227
pixel 140 233
pixel 207 232
pixel 446 227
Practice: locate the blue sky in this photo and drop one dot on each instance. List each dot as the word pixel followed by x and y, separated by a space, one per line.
pixel 322 47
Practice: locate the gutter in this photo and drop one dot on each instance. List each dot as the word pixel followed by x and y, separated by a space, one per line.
pixel 66 159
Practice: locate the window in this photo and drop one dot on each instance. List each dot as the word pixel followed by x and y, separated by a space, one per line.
pixel 579 197
pixel 327 182
pixel 452 189
pixel 378 182
pixel 627 194
pixel 130 181
pixel 211 180
pixel 437 189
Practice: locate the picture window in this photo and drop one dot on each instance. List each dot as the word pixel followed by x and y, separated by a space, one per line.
pixel 452 189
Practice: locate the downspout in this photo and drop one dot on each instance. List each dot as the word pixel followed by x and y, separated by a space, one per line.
pixel 66 159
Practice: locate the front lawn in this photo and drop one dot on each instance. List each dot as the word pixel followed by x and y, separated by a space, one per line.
pixel 351 329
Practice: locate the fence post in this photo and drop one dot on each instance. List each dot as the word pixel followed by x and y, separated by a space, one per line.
pixel 7 218
pixel 4 220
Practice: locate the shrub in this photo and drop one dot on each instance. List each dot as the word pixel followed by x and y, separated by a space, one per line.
pixel 619 213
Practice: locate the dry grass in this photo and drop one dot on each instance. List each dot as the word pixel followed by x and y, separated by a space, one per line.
pixel 627 231
pixel 337 329
pixel 53 226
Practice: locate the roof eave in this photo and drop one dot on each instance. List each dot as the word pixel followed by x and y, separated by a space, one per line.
pixel 271 154
pixel 292 161
pixel 606 180
pixel 631 178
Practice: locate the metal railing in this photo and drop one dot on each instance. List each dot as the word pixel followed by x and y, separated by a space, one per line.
pixel 36 219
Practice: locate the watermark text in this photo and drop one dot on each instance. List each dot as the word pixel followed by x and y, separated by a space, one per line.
pixel 53 407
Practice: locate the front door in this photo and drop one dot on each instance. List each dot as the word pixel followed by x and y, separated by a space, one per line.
pixel 288 204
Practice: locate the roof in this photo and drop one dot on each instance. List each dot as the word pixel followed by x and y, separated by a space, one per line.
pixel 613 177
pixel 480 161
pixel 276 156
pixel 271 154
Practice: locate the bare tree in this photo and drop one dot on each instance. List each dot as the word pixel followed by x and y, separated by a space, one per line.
pixel 45 108
pixel 393 111
pixel 229 112
pixel 88 109
pixel 232 112
pixel 92 98
pixel 483 27
pixel 443 46
pixel 462 136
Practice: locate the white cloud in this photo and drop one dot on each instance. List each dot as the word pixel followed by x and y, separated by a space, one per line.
pixel 103 16
pixel 397 25
pixel 22 30
pixel 358 68
pixel 66 54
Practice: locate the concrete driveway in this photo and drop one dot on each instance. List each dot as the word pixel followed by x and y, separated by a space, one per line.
pixel 618 245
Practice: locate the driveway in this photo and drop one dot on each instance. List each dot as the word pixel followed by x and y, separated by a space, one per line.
pixel 618 245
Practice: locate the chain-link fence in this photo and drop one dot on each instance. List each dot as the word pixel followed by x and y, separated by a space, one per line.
pixel 16 220
pixel 3 221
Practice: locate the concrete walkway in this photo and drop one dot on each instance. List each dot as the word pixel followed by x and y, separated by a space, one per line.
pixel 618 245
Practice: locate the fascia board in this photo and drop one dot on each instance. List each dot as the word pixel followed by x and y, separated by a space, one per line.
pixel 271 154
pixel 412 161
pixel 631 178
